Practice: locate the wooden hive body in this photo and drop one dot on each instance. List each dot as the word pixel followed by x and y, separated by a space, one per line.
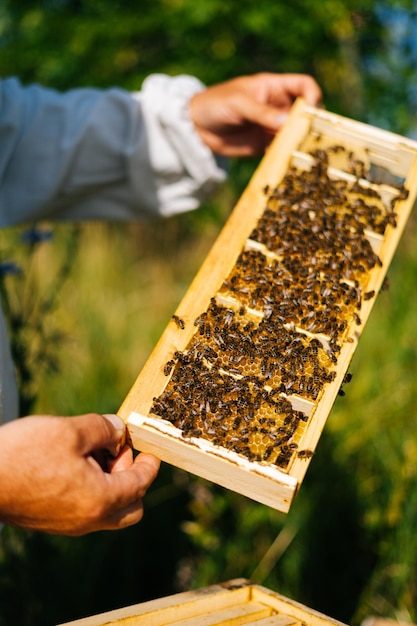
pixel 233 603
pixel 242 381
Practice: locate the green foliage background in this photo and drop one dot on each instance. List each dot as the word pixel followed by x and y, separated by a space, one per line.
pixel 91 304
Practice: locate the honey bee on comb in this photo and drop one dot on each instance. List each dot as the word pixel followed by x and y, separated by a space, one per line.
pixel 305 281
pixel 279 306
pixel 178 321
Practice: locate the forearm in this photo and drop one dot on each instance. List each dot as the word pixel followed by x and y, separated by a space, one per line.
pixel 90 153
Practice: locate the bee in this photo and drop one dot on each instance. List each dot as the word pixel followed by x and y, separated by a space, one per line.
pixel 178 321
pixel 305 454
pixel 182 358
pixel 385 284
pixel 336 148
pixel 268 452
pixel 368 295
pixel 168 367
pixel 200 319
pixel 191 432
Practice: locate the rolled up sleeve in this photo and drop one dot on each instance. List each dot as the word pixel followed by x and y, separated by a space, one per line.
pixel 101 154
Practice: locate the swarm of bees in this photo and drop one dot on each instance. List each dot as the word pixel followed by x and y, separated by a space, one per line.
pixel 273 332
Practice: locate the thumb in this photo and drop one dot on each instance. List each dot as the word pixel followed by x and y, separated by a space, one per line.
pixel 101 432
pixel 119 428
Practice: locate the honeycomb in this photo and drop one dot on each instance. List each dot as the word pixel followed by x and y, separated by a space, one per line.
pixel 266 347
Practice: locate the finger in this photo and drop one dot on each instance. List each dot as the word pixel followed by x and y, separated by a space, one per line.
pixel 270 109
pixel 147 464
pixel 296 85
pixel 98 432
pixel 236 144
pixel 125 459
pixel 128 488
pixel 267 116
pixel 122 461
pixel 123 491
pixel 117 519
pixel 122 518
pixel 128 484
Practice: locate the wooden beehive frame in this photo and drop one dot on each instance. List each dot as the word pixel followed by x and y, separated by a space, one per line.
pixel 233 603
pixel 307 127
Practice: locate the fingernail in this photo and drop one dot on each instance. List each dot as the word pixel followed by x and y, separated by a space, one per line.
pixel 281 119
pixel 116 422
pixel 120 427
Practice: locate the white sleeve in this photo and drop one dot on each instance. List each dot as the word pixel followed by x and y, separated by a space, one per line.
pixel 186 171
pixel 101 154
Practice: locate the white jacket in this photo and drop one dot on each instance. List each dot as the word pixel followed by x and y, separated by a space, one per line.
pixel 97 154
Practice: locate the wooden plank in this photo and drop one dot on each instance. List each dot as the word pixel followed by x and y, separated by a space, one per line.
pixel 231 603
pixel 161 611
pixel 291 608
pixel 277 620
pixel 266 484
pixel 307 133
pixel 387 149
pixel 237 615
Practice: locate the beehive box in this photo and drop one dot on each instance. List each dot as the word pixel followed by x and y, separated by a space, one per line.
pixel 233 603
pixel 241 383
